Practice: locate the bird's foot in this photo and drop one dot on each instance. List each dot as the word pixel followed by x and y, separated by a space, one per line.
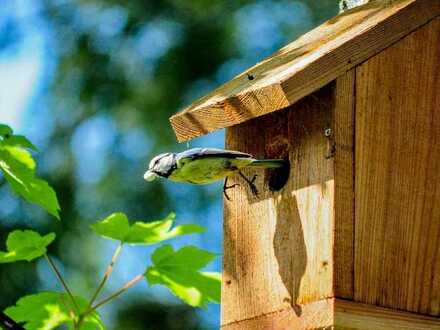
pixel 251 183
pixel 226 187
pixel 253 186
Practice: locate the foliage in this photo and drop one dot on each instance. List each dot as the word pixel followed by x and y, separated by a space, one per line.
pixel 178 270
pixel 49 310
pixel 117 227
pixel 5 130
pixel 18 168
pixel 25 245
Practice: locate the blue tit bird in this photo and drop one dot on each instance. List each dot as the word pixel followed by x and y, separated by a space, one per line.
pixel 207 165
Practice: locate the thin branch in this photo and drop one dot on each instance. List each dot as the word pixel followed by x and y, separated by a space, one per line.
pixel 63 283
pixel 106 274
pixel 8 323
pixel 127 286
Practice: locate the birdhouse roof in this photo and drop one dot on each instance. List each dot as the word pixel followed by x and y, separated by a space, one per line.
pixel 305 65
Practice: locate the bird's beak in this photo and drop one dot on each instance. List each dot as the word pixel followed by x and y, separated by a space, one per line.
pixel 150 176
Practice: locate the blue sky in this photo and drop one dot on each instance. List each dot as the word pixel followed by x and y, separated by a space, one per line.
pixel 23 62
pixel 19 78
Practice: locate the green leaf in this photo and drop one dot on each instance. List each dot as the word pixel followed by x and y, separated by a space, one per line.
pixel 18 154
pixel 117 227
pixel 25 245
pixel 5 130
pixel 180 272
pixel 18 170
pixel 50 310
pixel 15 140
pixel 20 140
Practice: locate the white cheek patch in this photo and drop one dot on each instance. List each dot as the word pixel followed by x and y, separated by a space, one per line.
pixel 161 165
pixel 167 161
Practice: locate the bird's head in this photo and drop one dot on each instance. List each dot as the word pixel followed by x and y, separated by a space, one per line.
pixel 161 165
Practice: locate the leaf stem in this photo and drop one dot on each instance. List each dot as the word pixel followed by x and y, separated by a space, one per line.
pixel 63 283
pixel 106 274
pixel 127 286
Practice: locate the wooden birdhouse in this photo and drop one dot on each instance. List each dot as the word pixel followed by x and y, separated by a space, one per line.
pixel 352 240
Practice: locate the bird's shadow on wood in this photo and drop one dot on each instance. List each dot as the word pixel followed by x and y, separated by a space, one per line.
pixel 290 248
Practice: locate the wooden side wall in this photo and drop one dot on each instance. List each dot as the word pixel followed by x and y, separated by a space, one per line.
pixel 397 227
pixel 278 249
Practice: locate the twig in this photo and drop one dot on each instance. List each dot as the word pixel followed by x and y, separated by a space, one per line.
pixel 106 274
pixel 127 286
pixel 63 283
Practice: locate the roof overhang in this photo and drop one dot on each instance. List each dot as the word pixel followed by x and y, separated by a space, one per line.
pixel 305 65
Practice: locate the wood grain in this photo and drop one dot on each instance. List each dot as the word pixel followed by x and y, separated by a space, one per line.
pixel 397 254
pixel 305 65
pixel 344 185
pixel 315 315
pixel 338 314
pixel 278 246
pixel 352 315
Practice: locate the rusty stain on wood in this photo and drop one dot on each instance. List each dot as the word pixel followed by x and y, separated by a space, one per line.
pixel 277 248
pixel 397 255
pixel 305 65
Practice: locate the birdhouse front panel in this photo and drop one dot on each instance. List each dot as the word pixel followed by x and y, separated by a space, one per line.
pixel 278 252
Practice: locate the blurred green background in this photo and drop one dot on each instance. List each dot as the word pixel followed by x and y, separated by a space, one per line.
pixel 92 83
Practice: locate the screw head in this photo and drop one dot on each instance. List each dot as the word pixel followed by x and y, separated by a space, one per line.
pixel 250 76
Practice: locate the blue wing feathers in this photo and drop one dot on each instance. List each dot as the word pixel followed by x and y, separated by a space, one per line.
pixel 211 152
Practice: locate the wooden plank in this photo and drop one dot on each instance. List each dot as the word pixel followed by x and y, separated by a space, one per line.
pixel 352 315
pixel 278 247
pixel 315 315
pixel 344 185
pixel 305 65
pixel 338 314
pixel 397 255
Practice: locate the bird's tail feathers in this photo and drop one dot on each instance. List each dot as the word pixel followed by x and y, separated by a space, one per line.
pixel 269 163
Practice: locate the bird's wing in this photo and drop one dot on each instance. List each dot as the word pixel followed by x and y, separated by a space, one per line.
pixel 196 153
